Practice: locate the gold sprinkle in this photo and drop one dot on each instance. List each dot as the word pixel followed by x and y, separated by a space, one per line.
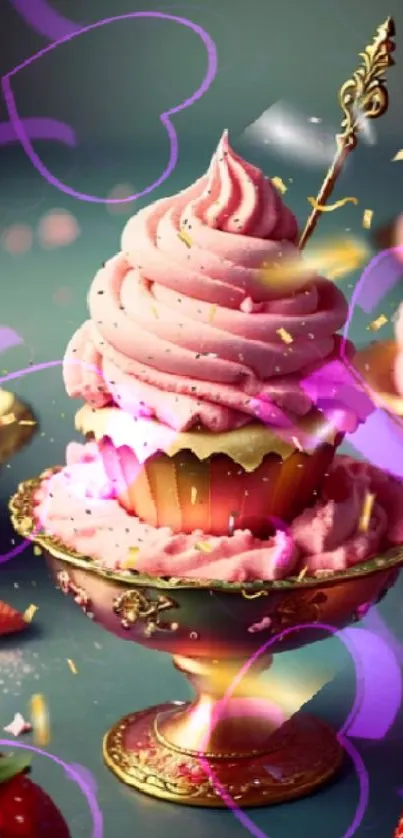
pixel 8 419
pixel 333 260
pixel 297 443
pixel 367 219
pixel 193 495
pixel 72 667
pixel 378 323
pixel 366 512
pixel 279 184
pixel 29 613
pixel 212 312
pixel 331 207
pixel 155 312
pixel 131 561
pixel 203 546
pixel 285 336
pixel 40 720
pixel 37 551
pixel 185 238
pixel 302 574
pixel 27 422
pixel 398 156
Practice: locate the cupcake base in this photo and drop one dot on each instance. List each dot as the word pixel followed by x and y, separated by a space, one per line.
pixel 216 495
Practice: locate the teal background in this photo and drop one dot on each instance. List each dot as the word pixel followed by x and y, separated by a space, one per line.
pixel 111 88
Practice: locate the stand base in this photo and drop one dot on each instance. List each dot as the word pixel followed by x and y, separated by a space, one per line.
pixel 304 753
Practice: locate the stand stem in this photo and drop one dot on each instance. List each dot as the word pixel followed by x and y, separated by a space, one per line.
pixel 324 194
pixel 238 725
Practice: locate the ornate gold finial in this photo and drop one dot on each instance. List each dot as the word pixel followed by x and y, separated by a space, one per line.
pixel 362 97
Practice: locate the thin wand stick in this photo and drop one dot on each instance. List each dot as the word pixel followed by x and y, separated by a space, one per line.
pixel 362 97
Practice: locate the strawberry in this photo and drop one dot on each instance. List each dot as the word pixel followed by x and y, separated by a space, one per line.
pixel 398 833
pixel 10 620
pixel 25 810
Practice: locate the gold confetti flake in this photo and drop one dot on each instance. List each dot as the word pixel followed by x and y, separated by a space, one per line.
pixel 37 551
pixel 8 419
pixel 302 574
pixel 72 667
pixel 29 613
pixel 297 443
pixel 131 561
pixel 203 547
pixel 366 512
pixel 332 207
pixel 231 523
pixel 185 238
pixel 367 219
pixel 279 184
pixel 334 260
pixel 28 422
pixel 398 156
pixel 212 313
pixel 193 495
pixel 26 525
pixel 40 720
pixel 155 312
pixel 285 336
pixel 378 323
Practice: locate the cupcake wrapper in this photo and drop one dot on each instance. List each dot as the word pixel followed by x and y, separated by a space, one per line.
pixel 215 495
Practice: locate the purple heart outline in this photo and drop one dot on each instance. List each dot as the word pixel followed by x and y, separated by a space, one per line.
pixel 9 338
pixel 357 653
pixel 165 118
pixel 74 775
pixel 44 20
pixel 39 128
pixel 377 700
pixel 373 285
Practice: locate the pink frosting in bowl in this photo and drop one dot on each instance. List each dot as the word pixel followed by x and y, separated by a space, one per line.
pixel 77 505
pixel 184 326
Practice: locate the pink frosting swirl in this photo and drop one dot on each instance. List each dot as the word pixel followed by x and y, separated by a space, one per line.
pixel 183 327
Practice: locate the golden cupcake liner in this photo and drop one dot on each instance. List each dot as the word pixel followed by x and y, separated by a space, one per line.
pixel 215 495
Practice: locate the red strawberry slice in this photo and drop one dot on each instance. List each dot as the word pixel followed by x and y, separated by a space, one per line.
pixel 398 833
pixel 10 621
pixel 26 811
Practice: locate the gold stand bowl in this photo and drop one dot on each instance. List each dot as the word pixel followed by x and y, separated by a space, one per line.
pixel 226 743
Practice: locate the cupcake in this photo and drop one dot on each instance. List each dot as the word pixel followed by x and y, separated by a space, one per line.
pixel 194 363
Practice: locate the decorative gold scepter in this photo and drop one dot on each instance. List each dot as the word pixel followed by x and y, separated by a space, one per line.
pixel 364 96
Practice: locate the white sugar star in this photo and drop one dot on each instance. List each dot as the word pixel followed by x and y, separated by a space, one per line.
pixel 18 726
